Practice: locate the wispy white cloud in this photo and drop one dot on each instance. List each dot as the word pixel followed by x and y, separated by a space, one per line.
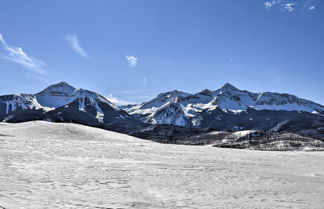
pixel 73 41
pixel 312 7
pixel 289 7
pixel 17 55
pixel 134 96
pixel 118 101
pixel 308 5
pixel 280 5
pixel 269 4
pixel 132 61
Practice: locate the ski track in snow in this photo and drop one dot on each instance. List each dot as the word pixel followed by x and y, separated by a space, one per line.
pixel 47 165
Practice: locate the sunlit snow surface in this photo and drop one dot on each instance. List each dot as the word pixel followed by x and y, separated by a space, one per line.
pixel 46 165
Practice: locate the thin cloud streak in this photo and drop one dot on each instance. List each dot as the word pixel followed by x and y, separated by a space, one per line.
pixel 140 97
pixel 17 55
pixel 74 43
pixel 133 91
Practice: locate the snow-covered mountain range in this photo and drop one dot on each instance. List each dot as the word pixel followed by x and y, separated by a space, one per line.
pixel 63 102
pixel 185 109
pixel 170 114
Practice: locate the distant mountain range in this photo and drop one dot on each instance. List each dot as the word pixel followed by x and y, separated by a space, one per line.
pixel 226 109
pixel 207 107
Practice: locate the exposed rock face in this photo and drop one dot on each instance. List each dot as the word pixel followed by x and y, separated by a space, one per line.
pixel 257 140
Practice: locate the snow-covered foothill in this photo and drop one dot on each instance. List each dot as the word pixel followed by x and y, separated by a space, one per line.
pixel 46 165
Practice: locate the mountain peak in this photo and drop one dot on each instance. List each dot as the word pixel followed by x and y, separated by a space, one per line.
pixel 174 93
pixel 206 92
pixel 62 87
pixel 61 84
pixel 228 86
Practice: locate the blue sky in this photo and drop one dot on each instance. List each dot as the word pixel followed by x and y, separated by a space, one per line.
pixel 134 49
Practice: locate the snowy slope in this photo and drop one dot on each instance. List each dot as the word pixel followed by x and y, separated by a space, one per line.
pixel 172 112
pixel 16 101
pixel 62 94
pixel 277 101
pixel 57 95
pixel 154 104
pixel 46 165
pixel 10 103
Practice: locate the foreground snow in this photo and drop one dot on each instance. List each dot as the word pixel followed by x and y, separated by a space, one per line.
pixel 47 165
